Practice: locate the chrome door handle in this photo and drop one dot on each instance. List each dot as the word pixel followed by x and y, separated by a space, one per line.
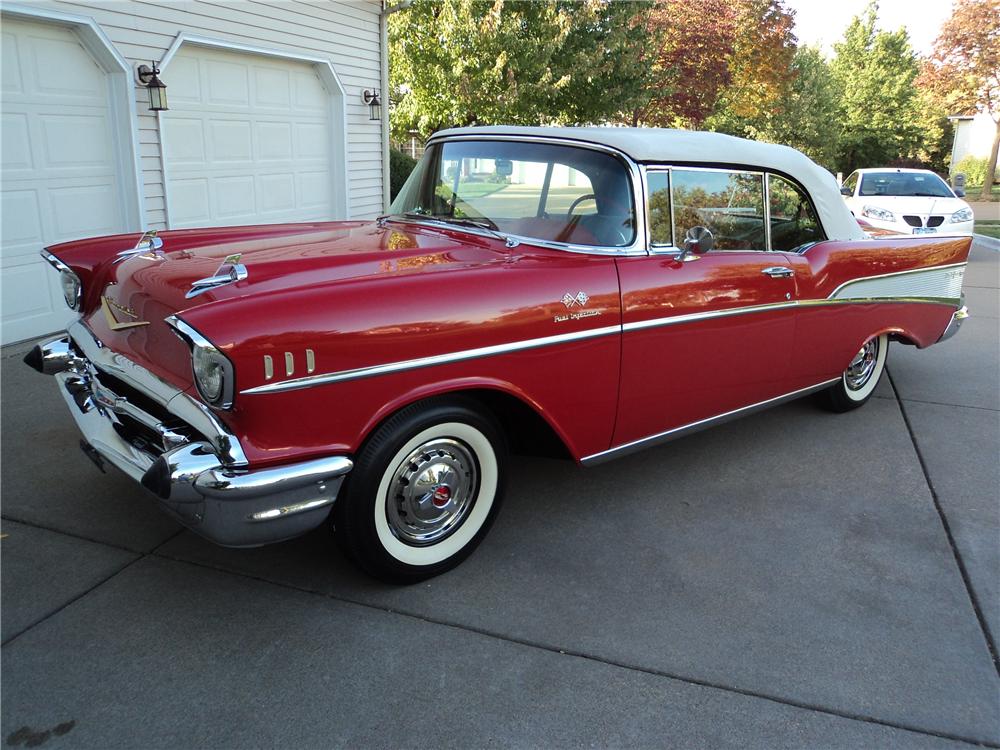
pixel 778 272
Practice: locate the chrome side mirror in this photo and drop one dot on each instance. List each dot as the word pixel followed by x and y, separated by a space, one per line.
pixel 697 241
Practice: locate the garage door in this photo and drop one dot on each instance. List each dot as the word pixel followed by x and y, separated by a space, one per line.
pixel 60 177
pixel 247 139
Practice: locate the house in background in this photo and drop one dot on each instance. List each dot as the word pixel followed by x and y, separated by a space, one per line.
pixel 973 136
pixel 267 122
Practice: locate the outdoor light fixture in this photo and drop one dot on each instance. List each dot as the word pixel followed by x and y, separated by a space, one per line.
pixel 374 103
pixel 157 89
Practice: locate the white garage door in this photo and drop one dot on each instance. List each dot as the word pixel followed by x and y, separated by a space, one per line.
pixel 60 173
pixel 248 140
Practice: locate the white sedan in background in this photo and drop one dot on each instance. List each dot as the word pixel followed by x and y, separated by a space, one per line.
pixel 910 201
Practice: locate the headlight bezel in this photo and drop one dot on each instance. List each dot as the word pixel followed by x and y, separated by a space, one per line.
pixel 205 353
pixel 878 213
pixel 73 294
pixel 966 215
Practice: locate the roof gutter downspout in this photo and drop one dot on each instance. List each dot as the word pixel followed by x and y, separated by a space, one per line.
pixel 383 28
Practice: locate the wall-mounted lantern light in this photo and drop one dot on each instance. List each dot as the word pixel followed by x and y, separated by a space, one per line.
pixel 374 103
pixel 148 77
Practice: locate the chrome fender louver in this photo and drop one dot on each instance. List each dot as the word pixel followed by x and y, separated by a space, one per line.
pixel 229 272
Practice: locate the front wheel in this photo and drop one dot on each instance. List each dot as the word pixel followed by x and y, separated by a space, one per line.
pixel 424 491
pixel 858 381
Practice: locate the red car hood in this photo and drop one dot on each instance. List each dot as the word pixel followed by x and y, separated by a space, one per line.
pixel 152 286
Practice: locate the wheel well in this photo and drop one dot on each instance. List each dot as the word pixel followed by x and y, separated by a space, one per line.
pixel 527 432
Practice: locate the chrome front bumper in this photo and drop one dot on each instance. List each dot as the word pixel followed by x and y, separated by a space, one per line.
pixel 175 447
pixel 955 323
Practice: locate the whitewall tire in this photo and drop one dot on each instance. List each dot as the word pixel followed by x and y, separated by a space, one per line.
pixel 859 380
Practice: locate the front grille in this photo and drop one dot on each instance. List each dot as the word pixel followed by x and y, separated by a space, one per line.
pixel 935 221
pixel 913 221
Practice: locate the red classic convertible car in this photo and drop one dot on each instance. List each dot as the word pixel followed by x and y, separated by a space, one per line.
pixel 535 289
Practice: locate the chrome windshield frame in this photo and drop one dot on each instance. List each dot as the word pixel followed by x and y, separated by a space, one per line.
pixel 639 243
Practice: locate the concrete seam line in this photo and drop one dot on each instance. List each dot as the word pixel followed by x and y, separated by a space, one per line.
pixel 73 535
pixel 942 516
pixel 697 682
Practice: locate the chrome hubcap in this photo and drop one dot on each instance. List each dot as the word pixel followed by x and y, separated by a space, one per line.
pixel 431 492
pixel 862 367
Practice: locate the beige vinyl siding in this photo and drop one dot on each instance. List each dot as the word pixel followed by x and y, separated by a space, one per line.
pixel 346 33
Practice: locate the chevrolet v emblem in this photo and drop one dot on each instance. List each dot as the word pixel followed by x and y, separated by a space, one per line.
pixel 113 322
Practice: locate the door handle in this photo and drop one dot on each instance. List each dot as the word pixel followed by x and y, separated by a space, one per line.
pixel 778 272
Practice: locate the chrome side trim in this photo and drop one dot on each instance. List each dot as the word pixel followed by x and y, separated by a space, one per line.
pixel 939 282
pixel 438 359
pixel 188 409
pixel 690 317
pixel 55 262
pixel 676 432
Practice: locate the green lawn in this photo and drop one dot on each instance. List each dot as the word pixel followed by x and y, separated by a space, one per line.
pixel 988 228
pixel 972 193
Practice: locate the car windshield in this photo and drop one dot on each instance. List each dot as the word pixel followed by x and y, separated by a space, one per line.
pixel 548 192
pixel 921 184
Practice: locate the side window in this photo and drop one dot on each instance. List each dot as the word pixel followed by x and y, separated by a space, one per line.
pixel 793 221
pixel 851 182
pixel 729 203
pixel 658 184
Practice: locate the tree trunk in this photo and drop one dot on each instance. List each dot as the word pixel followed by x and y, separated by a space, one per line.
pixel 991 168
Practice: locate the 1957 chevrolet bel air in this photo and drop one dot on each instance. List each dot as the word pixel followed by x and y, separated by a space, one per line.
pixel 531 288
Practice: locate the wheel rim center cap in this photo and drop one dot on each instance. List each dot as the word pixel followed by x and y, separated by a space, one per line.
pixel 441 496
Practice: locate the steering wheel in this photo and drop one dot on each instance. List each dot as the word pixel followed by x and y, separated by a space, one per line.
pixel 578 201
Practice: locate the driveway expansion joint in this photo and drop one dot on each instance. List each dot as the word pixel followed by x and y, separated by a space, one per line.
pixel 694 681
pixel 966 579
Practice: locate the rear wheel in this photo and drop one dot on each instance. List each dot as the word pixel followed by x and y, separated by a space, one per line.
pixel 858 381
pixel 424 491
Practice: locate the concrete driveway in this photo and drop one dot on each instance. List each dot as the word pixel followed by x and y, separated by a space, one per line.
pixel 795 579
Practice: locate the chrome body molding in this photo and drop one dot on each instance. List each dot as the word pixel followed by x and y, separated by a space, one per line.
pixel 195 481
pixel 438 359
pixel 938 283
pixel 673 320
pixel 676 432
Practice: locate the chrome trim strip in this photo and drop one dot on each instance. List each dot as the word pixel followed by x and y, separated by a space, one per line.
pixel 638 245
pixel 438 359
pixel 676 432
pixel 55 262
pixel 689 317
pixel 187 408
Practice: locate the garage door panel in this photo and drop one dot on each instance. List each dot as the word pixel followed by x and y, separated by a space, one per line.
pixel 75 140
pixel 264 148
pixel 11 73
pixel 84 210
pixel 277 193
pixel 230 141
pixel 77 78
pixel 16 149
pixel 228 83
pixel 21 232
pixel 30 300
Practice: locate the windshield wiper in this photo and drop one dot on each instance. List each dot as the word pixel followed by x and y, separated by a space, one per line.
pixel 479 223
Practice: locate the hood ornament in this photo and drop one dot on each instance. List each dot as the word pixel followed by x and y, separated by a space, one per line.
pixel 229 272
pixel 147 248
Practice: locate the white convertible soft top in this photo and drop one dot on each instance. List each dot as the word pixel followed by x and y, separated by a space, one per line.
pixel 665 146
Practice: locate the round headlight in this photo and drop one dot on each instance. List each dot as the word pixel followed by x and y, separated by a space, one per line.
pixel 209 373
pixel 70 289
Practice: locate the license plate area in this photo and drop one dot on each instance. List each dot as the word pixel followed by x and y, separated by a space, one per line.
pixel 925 230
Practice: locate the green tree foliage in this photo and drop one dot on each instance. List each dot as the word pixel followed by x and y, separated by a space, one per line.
pixel 879 108
pixel 464 62
pixel 809 118
pixel 400 166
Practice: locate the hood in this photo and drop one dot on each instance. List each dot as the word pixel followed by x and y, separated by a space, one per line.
pixel 915 205
pixel 138 293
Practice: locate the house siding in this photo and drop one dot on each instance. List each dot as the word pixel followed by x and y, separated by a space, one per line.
pixel 345 33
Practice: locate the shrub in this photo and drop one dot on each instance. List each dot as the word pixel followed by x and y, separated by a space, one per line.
pixel 400 166
pixel 974 169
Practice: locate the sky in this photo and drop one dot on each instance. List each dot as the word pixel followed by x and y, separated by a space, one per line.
pixel 823 22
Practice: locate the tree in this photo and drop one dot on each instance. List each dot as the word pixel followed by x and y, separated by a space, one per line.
pixel 810 111
pixel 691 42
pixel 464 62
pixel 964 68
pixel 875 70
